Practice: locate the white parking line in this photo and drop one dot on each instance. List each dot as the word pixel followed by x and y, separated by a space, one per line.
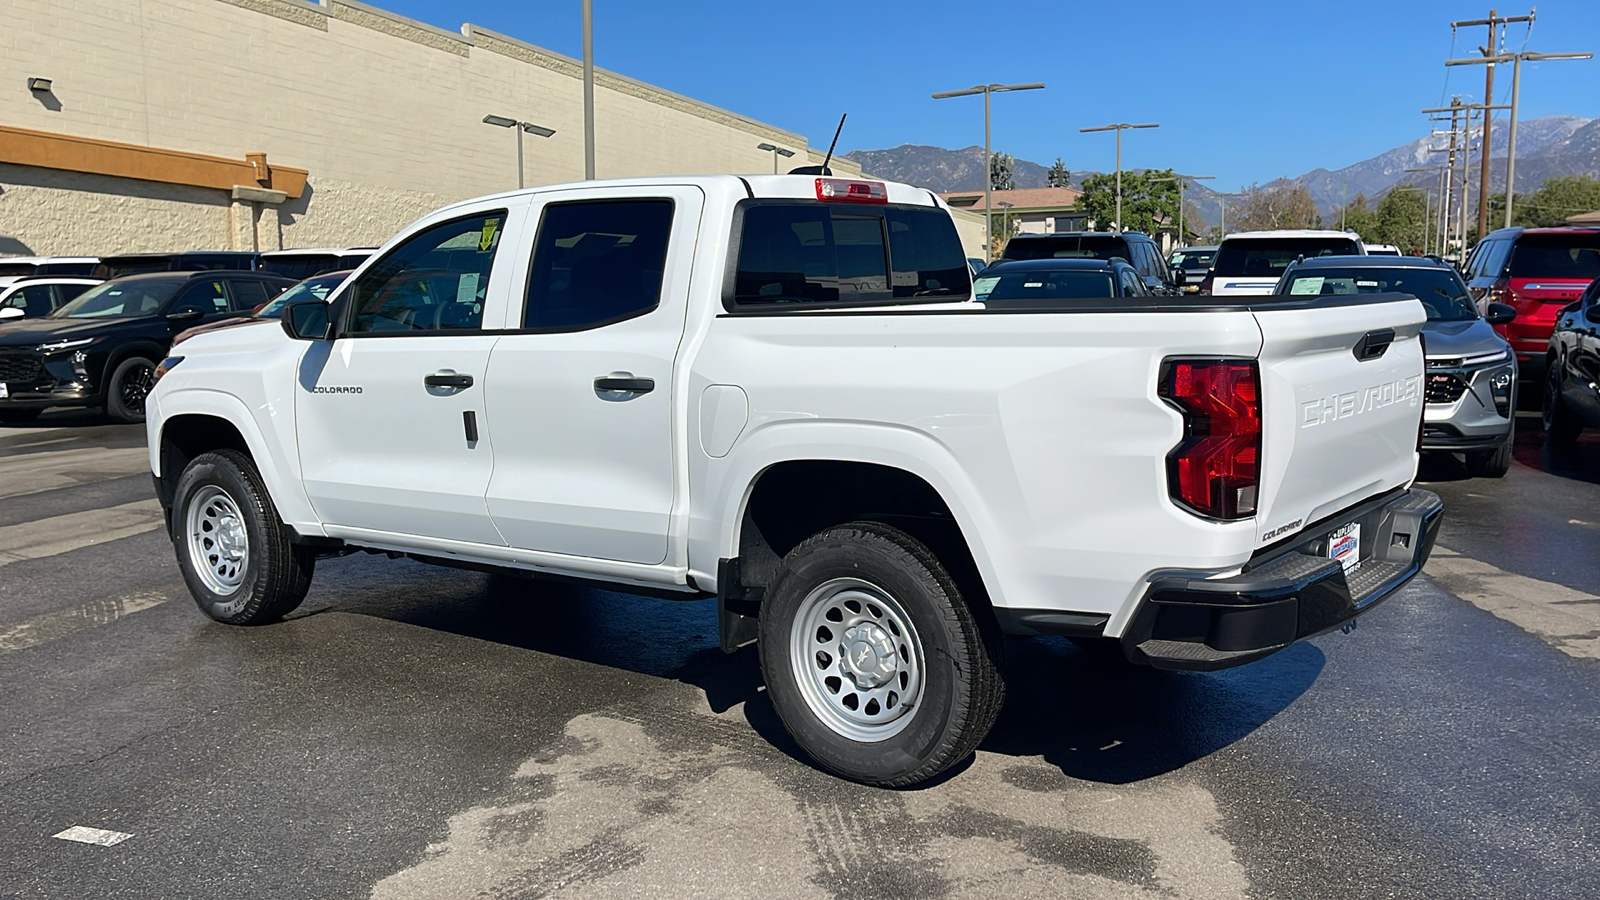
pixel 56 625
pixel 83 834
pixel 59 534
pixel 1566 619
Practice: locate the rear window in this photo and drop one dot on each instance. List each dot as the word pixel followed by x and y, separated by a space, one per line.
pixel 1268 257
pixel 1575 256
pixel 1441 291
pixel 1042 285
pixel 833 254
pixel 301 266
pixel 1069 246
pixel 1193 259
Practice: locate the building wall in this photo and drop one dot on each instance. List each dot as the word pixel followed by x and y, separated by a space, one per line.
pixel 384 112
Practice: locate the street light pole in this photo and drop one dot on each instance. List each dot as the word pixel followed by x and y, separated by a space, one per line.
pixel 1516 60
pixel 588 90
pixel 1119 128
pixel 776 152
pixel 529 127
pixel 988 164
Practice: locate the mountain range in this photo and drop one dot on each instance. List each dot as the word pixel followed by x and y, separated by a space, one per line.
pixel 1558 145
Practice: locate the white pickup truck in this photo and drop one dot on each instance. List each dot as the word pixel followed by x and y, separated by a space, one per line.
pixel 777 391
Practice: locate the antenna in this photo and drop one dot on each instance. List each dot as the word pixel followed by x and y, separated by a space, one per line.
pixel 829 157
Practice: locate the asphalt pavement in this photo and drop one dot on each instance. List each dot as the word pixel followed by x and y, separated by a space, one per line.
pixel 418 732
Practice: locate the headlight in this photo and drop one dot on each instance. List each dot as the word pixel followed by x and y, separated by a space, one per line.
pixel 1500 383
pixel 58 346
pixel 167 365
pixel 1484 359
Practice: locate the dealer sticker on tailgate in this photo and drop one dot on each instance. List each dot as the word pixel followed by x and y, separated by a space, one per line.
pixel 1344 545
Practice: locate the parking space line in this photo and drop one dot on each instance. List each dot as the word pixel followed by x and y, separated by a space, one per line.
pixel 47 470
pixel 62 623
pixel 1566 619
pixel 59 534
pixel 83 834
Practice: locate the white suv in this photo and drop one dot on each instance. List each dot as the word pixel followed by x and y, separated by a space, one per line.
pixel 1251 262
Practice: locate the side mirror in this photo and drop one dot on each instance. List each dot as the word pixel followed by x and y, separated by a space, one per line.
pixel 1592 313
pixel 1499 313
pixel 184 315
pixel 12 312
pixel 305 320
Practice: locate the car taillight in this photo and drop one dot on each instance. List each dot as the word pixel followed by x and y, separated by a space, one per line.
pixel 1205 284
pixel 1215 470
pixel 1501 292
pixel 847 191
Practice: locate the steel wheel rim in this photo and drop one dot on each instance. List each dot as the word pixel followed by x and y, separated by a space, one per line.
pixel 219 545
pixel 857 659
pixel 135 386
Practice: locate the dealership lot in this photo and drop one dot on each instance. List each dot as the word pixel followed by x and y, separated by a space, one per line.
pixel 414 731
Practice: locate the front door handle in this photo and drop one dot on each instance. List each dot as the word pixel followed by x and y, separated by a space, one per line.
pixel 445 378
pixel 622 382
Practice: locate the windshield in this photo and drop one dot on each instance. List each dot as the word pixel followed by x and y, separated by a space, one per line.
pixel 1045 285
pixel 1193 259
pixel 120 299
pixel 310 289
pixel 1069 246
pixel 1575 256
pixel 1268 257
pixel 1442 292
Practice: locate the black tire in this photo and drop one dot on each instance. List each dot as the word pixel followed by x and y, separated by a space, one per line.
pixel 958 690
pixel 1561 425
pixel 127 388
pixel 18 416
pixel 1491 463
pixel 272 577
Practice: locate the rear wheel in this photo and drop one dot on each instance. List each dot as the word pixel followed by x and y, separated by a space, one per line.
pixel 1491 463
pixel 233 550
pixel 18 416
pixel 873 659
pixel 128 387
pixel 1561 425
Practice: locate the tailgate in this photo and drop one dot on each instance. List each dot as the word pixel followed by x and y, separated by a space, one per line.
pixel 1336 429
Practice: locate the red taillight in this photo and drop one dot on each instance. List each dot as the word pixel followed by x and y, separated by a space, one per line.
pixel 1205 285
pixel 847 191
pixel 1215 471
pixel 1501 292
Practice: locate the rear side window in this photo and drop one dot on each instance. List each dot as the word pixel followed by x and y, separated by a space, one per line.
pixel 1556 256
pixel 831 254
pixel 33 300
pixel 597 262
pixel 249 294
pixel 433 282
pixel 1268 257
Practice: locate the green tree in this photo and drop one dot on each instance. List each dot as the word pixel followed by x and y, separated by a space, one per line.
pixel 1147 204
pixel 1402 219
pixel 1358 217
pixel 1002 172
pixel 1058 176
pixel 1555 200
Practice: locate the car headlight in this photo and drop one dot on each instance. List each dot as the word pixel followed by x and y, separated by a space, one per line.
pixel 1500 383
pixel 167 365
pixel 58 346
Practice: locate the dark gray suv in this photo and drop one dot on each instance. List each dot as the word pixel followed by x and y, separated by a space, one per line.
pixel 1137 249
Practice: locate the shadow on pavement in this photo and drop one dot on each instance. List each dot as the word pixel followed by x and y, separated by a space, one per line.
pixel 1579 461
pixel 1096 718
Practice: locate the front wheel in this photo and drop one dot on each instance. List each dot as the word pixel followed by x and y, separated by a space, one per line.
pixel 128 387
pixel 1491 463
pixel 233 550
pixel 873 659
pixel 1561 425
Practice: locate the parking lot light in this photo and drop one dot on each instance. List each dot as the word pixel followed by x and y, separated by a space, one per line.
pixel 988 164
pixel 776 153
pixel 529 127
pixel 1119 128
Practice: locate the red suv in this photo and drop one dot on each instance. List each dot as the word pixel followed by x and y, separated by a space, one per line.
pixel 1537 271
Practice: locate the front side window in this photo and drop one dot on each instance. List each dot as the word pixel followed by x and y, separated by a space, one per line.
pixel 597 262
pixel 204 297
pixel 831 254
pixel 435 281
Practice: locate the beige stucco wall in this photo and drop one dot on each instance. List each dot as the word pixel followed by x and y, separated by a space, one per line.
pixel 384 112
pixel 969 225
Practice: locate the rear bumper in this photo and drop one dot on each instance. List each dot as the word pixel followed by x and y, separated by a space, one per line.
pixel 1286 593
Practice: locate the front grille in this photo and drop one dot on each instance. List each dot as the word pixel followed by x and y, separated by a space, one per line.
pixel 1444 387
pixel 21 368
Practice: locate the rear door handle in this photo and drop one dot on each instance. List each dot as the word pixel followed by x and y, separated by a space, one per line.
pixel 445 378
pixel 622 382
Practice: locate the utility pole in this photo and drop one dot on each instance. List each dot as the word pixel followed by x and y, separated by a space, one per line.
pixel 1516 60
pixel 1492 48
pixel 1119 128
pixel 988 157
pixel 1484 109
pixel 1181 179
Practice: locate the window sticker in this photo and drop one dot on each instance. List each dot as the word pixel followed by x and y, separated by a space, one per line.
pixel 982 286
pixel 486 238
pixel 1312 286
pixel 467 287
pixel 1366 284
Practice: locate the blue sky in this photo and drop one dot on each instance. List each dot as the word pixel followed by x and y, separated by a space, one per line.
pixel 1246 91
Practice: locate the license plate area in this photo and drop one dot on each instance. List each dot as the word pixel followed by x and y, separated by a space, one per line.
pixel 1344 545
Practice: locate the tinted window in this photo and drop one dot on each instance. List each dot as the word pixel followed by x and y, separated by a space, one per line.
pixel 206 297
pixel 1441 291
pixel 1556 256
pixel 66 268
pixel 33 300
pixel 1045 285
pixel 597 262
pixel 248 294
pixel 209 261
pixel 302 266
pixel 435 281
pixel 1268 257
pixel 1069 246
pixel 311 289
pixel 14 270
pixel 135 265
pixel 114 299
pixel 831 253
pixel 1131 285
pixel 68 292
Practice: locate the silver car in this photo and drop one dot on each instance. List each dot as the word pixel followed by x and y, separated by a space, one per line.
pixel 1471 378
